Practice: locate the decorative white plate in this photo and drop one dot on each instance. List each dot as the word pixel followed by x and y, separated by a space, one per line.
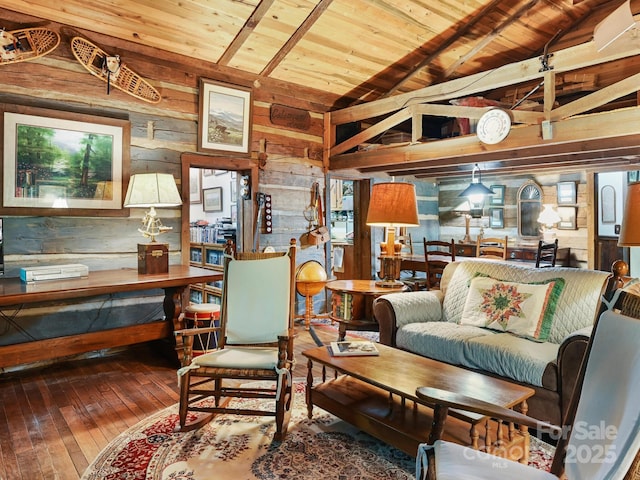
pixel 493 126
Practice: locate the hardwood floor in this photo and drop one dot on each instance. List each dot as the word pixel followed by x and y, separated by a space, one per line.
pixel 54 420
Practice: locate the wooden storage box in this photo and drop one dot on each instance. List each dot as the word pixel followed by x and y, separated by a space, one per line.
pixel 153 258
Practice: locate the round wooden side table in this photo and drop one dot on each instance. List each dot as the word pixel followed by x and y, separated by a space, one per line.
pixel 352 304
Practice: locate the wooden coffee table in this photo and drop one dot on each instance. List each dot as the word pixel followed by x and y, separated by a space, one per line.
pixel 377 395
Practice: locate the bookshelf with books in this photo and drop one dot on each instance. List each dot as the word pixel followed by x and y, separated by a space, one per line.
pixel 352 304
pixel 209 256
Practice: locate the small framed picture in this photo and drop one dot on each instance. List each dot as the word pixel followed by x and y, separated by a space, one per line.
pixel 632 176
pixel 567 193
pixel 496 217
pixel 212 199
pixel 567 218
pixel 195 185
pixel 498 194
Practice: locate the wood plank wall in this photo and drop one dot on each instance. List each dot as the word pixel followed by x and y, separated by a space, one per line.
pixel 159 135
pixel 452 225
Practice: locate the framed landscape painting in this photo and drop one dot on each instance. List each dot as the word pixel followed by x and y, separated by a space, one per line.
pixel 224 120
pixel 66 163
pixel 212 199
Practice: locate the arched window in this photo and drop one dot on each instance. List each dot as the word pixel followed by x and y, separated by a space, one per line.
pixel 529 207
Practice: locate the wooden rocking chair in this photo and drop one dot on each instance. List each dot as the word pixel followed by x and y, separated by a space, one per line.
pixel 255 343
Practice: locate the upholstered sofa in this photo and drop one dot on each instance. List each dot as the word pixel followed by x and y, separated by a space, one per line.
pixel 540 321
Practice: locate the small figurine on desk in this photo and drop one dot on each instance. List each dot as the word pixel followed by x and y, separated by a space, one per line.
pixel 152 226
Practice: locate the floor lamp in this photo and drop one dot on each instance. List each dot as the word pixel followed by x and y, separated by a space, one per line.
pixel 392 205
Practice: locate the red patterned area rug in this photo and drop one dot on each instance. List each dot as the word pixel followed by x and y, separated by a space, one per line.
pixel 241 447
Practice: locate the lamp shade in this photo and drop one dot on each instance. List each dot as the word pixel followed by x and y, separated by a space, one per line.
pixel 630 229
pixel 548 216
pixel 393 204
pixel 152 190
pixel 476 189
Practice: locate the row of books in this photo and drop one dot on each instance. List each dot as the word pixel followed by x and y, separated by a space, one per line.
pixel 341 304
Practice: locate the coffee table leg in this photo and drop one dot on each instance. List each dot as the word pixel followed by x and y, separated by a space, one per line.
pixel 309 387
pixel 342 331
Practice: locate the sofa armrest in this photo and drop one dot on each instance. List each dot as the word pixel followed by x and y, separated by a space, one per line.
pixel 570 355
pixel 396 309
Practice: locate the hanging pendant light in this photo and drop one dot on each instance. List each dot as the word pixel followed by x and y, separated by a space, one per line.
pixel 475 193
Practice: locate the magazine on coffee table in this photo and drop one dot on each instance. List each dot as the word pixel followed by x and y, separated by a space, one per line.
pixel 353 348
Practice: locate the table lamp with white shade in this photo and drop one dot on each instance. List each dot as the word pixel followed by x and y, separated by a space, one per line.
pixel 152 190
pixel 548 218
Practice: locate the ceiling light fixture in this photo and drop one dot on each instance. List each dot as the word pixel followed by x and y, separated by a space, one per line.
pixel 475 193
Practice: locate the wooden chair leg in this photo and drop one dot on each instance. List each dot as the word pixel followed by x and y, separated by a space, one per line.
pixel 283 410
pixel 184 398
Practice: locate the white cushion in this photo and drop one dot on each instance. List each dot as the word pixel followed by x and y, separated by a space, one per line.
pixel 455 462
pixel 524 309
pixel 576 309
pixel 239 357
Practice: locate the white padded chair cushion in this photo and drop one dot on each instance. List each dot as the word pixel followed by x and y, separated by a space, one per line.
pixel 606 435
pixel 240 358
pixel 455 462
pixel 257 308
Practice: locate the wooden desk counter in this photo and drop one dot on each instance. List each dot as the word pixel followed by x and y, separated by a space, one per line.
pixel 14 292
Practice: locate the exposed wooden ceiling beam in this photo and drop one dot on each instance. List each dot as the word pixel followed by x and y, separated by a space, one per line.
pixel 566 60
pixel 577 133
pixel 463 30
pixel 313 17
pixel 246 30
pixel 487 39
pixel 614 148
pixel 622 155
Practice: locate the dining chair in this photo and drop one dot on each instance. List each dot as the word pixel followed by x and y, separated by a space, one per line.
pixel 600 438
pixel 410 278
pixel 546 254
pixel 492 248
pixel 254 355
pixel 437 255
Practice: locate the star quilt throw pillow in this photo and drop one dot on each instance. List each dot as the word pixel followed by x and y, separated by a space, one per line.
pixel 524 309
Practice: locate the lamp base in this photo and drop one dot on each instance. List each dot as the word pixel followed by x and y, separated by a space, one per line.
pixel 153 258
pixel 389 271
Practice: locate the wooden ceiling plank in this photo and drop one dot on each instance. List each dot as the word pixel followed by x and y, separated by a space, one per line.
pixel 313 17
pixel 569 59
pixel 466 27
pixel 246 30
pixel 487 39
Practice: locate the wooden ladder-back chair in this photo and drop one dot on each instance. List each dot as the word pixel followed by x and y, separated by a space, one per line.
pixel 255 343
pixel 605 412
pixel 437 255
pixel 546 254
pixel 411 279
pixel 492 248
